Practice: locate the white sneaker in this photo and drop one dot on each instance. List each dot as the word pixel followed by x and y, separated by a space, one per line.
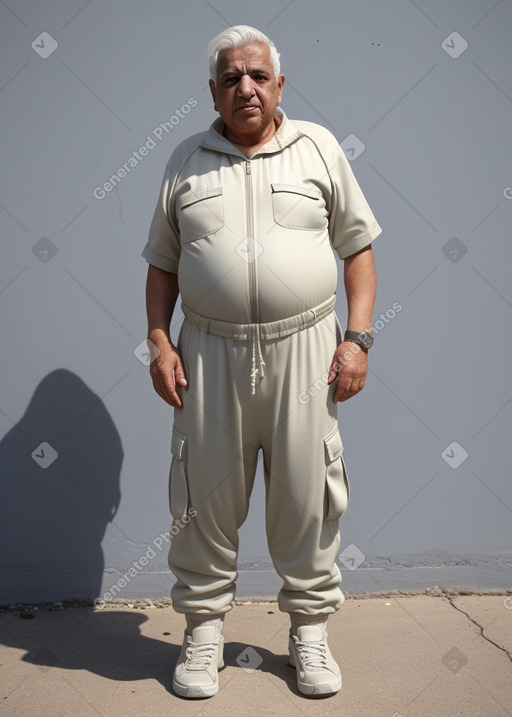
pixel 317 671
pixel 200 658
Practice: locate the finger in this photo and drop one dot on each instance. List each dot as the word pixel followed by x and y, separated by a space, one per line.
pixel 173 390
pixel 347 389
pixel 342 389
pixel 179 374
pixel 166 389
pixel 343 396
pixel 334 369
pixel 167 395
pixel 172 397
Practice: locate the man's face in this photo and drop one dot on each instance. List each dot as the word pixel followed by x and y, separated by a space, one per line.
pixel 247 91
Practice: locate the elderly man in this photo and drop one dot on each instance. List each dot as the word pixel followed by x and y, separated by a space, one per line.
pixel 244 229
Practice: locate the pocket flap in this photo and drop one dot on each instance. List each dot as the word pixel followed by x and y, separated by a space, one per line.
pixel 177 444
pixel 178 487
pixel 192 197
pixel 333 445
pixel 337 488
pixel 305 191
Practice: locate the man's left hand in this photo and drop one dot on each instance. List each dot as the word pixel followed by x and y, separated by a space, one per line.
pixel 350 366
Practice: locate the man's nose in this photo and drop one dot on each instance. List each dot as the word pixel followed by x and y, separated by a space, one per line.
pixel 245 86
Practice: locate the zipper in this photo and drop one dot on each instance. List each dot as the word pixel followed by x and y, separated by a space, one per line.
pixel 251 248
pixel 258 362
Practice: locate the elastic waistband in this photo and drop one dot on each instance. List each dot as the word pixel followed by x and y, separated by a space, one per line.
pixel 264 331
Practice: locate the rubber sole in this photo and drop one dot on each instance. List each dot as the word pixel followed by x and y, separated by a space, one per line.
pixel 324 689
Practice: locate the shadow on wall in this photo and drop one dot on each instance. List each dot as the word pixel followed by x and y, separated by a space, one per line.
pixel 59 489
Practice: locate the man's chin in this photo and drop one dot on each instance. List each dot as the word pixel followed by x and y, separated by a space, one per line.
pixel 251 121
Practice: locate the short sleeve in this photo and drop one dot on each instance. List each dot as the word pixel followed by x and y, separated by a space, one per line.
pixel 352 225
pixel 163 247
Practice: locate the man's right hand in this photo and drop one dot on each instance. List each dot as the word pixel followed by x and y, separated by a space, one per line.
pixel 167 372
pixel 167 368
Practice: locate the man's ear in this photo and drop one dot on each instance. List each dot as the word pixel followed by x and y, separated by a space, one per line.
pixel 212 90
pixel 280 85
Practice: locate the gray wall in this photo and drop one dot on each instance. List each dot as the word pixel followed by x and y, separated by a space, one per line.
pixel 85 447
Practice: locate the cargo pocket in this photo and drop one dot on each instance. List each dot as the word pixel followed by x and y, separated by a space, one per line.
pixel 178 488
pixel 337 489
pixel 298 207
pixel 200 214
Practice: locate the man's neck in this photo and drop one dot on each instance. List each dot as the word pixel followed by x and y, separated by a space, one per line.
pixel 249 144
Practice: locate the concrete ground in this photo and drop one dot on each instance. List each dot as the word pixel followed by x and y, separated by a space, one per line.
pixel 439 654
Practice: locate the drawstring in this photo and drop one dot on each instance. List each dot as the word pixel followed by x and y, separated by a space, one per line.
pixel 257 364
pixel 257 332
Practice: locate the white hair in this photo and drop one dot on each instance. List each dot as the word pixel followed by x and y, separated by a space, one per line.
pixel 238 36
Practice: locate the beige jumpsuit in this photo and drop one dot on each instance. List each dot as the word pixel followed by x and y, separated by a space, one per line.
pixel 251 242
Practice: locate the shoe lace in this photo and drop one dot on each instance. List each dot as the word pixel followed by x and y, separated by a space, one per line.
pixel 199 657
pixel 312 654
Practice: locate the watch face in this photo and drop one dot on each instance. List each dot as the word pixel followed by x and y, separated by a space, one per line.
pixel 367 340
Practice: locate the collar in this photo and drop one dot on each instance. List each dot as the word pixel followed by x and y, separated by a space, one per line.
pixel 285 134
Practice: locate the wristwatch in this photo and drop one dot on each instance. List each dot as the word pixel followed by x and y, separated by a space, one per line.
pixel 363 338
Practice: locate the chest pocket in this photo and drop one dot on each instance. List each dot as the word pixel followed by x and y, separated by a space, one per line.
pixel 298 207
pixel 200 214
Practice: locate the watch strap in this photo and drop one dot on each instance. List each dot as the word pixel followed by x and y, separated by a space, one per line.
pixel 363 338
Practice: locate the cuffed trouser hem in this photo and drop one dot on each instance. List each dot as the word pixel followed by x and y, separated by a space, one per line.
pixel 194 620
pixel 298 619
pixel 205 600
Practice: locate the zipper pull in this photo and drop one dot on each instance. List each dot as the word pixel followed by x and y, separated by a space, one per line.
pixel 247 167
